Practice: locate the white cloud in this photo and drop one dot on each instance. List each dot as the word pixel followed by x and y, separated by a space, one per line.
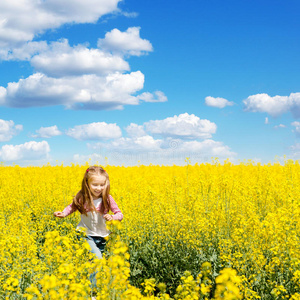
pixel 128 42
pixel 172 148
pixel 296 124
pixel 274 106
pixel 62 60
pixel 146 150
pixel 297 128
pixel 21 20
pixel 266 120
pixel 24 51
pixel 76 77
pixel 217 102
pixel 130 14
pixel 182 126
pixel 81 92
pixel 134 130
pixel 207 147
pixel 149 97
pixel 3 95
pixel 279 126
pixel 95 131
pixel 142 143
pixel 47 132
pixel 28 151
pixel 8 129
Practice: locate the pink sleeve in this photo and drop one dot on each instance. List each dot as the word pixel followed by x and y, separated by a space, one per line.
pixel 115 209
pixel 69 210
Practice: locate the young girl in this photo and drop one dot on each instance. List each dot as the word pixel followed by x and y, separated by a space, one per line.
pixel 94 202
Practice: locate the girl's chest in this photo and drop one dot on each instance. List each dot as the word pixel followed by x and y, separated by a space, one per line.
pixel 93 218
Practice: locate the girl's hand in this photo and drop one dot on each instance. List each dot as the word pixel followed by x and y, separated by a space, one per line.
pixel 108 217
pixel 59 214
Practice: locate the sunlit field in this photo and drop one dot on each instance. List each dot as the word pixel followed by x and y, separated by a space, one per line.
pixel 209 231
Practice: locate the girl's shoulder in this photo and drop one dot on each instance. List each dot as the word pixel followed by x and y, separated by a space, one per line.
pixel 110 198
pixel 111 201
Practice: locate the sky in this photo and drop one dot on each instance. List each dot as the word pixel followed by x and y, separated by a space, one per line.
pixel 149 82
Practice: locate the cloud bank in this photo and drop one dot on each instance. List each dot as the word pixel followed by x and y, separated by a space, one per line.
pixel 79 77
pixel 165 141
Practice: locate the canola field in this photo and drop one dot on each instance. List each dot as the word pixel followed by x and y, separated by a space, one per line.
pixel 207 231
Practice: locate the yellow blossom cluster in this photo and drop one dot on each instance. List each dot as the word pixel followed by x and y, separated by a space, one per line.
pixel 204 231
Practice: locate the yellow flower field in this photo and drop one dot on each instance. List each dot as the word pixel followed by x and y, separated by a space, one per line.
pixel 209 231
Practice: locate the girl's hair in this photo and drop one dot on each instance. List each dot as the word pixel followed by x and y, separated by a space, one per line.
pixel 83 201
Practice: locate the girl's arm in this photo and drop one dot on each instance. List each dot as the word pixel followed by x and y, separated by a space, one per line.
pixel 115 209
pixel 67 211
pixel 59 214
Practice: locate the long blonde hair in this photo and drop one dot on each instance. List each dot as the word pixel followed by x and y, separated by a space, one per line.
pixel 83 201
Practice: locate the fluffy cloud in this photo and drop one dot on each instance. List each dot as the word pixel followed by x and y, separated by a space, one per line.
pixel 79 92
pixel 182 126
pixel 172 148
pixel 95 131
pixel 178 141
pixel 76 77
pixel 47 132
pixel 217 102
pixel 274 106
pixel 62 60
pixel 8 129
pixel 128 42
pixel 149 97
pixel 82 92
pixel 28 151
pixel 142 143
pixel 21 20
pixel 134 130
pixel 24 51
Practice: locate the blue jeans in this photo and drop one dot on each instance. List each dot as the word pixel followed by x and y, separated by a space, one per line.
pixel 97 244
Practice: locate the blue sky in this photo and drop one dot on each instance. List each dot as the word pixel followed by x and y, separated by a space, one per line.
pixel 128 82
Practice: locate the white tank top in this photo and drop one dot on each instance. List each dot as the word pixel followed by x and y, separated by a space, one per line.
pixel 94 223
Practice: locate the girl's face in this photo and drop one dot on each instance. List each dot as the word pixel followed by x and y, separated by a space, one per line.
pixel 97 184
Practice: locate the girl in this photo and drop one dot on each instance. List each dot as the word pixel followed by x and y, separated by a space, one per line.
pixel 94 202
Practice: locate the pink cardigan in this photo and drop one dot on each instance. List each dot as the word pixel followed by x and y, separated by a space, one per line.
pixel 112 205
